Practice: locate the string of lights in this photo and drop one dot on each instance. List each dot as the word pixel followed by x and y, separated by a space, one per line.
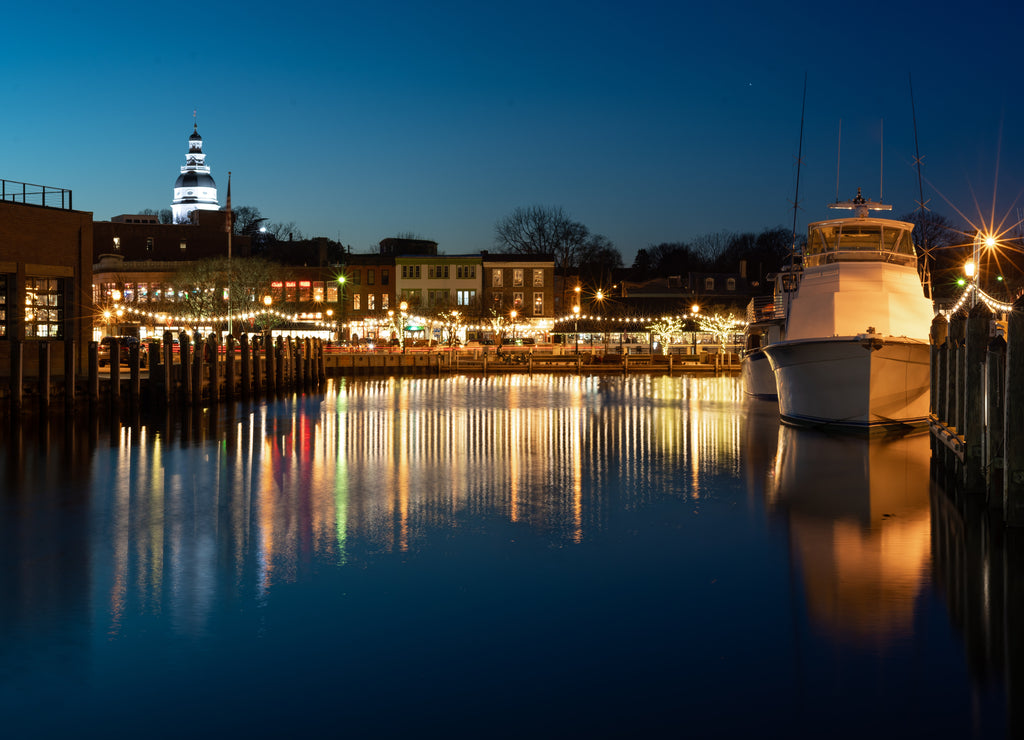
pixel 993 305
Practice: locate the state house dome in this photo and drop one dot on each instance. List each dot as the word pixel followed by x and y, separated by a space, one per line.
pixel 195 187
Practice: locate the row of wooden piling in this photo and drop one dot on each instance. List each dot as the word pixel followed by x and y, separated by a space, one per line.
pixel 977 406
pixel 203 373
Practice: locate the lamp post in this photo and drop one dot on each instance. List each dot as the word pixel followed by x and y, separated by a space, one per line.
pixel 694 311
pixel 973 268
pixel 576 325
pixel 599 297
pixel 512 315
pixel 341 302
pixel 403 306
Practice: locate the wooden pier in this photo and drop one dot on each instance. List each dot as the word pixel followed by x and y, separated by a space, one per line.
pixel 192 370
pixel 977 406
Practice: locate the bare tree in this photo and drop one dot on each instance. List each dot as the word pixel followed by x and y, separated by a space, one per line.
pixel 542 230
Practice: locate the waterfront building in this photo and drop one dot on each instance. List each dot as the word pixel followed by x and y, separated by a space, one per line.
pixel 45 273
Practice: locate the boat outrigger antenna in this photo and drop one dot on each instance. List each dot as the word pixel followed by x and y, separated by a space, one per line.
pixel 860 206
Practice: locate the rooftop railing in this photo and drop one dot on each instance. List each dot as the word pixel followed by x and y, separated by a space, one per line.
pixel 38 195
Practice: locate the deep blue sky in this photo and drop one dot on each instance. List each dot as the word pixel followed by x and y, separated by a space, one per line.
pixel 646 121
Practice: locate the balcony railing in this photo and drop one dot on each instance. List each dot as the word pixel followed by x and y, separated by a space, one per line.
pixel 38 195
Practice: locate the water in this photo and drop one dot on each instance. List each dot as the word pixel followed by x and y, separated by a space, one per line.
pixel 504 557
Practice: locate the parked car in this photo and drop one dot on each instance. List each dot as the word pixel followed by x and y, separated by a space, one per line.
pixel 125 343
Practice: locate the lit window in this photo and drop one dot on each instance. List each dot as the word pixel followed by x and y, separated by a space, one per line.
pixel 44 308
pixel 149 244
pixel 355 301
pixel 117 242
pixel 517 300
pixel 538 278
pixel 182 246
pixel 538 304
pixel 318 292
pixel 517 277
pixel 371 302
pixel 496 278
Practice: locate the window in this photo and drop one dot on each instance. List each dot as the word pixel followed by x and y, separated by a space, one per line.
pixel 439 272
pixel 149 244
pixel 730 284
pixel 496 278
pixel 371 302
pixel 44 308
pixel 465 272
pixel 709 283
pixel 370 276
pixel 277 291
pixel 305 290
pixel 538 278
pixel 538 304
pixel 318 292
pixel 183 246
pixel 411 272
pixel 117 242
pixel 355 302
pixel 332 292
pixel 128 294
pixel 517 277
pixel 289 291
pixel 384 277
pixel 356 277
pixel 384 300
pixel 517 300
pixel 465 297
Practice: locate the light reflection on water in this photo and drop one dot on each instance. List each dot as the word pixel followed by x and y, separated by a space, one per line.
pixel 664 518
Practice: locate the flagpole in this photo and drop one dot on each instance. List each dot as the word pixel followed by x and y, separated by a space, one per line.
pixel 229 254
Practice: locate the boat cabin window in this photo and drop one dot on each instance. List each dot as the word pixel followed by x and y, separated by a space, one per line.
pixel 858 241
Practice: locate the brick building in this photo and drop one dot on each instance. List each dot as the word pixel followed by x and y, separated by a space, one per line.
pixel 45 276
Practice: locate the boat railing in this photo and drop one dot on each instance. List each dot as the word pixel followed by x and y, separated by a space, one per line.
pixel 764 308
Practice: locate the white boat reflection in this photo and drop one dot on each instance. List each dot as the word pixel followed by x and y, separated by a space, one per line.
pixel 860 528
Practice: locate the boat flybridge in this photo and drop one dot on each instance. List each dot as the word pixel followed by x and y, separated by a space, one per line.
pixel 855 354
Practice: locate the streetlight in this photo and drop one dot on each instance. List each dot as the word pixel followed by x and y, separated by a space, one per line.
pixel 694 310
pixel 599 297
pixel 973 268
pixel 403 306
pixel 341 298
pixel 512 315
pixel 576 325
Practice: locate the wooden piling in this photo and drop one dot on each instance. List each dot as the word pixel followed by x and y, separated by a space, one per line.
pixel 44 376
pixel 213 346
pixel 185 365
pixel 197 369
pixel 94 371
pixel 115 372
pixel 279 364
pixel 973 414
pixel 992 455
pixel 168 367
pixel 243 341
pixel 70 386
pixel 1013 434
pixel 937 335
pixel 229 367
pixel 134 374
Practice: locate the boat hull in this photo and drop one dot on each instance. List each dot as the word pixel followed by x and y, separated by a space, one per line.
pixel 865 384
pixel 758 376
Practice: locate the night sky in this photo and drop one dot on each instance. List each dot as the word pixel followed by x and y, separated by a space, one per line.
pixel 646 121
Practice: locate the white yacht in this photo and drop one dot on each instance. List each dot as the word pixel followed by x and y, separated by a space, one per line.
pixel 855 354
pixel 766 324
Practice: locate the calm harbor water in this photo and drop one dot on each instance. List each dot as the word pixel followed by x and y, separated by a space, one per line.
pixel 494 557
